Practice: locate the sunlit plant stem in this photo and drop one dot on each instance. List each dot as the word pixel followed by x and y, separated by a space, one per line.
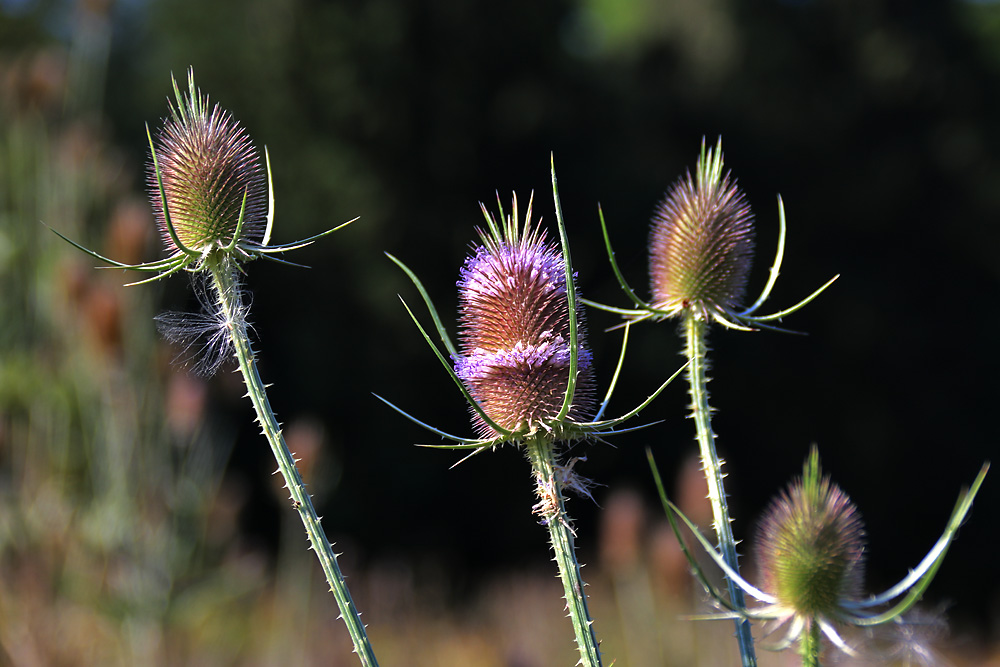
pixel 551 507
pixel 695 330
pixel 227 291
pixel 811 646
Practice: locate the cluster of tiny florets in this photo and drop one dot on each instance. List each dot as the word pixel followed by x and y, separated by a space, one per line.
pixel 701 244
pixel 514 334
pixel 207 164
pixel 811 549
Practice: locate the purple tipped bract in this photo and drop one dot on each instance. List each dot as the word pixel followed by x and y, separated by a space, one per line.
pixel 514 330
pixel 208 164
pixel 701 244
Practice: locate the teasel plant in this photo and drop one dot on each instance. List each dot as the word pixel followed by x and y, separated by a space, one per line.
pixel 811 551
pixel 214 204
pixel 525 371
pixel 701 250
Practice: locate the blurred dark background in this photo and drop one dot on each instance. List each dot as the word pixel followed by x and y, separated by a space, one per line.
pixel 875 120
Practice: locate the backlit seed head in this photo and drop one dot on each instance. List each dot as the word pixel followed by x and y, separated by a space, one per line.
pixel 811 546
pixel 514 331
pixel 702 240
pixel 207 164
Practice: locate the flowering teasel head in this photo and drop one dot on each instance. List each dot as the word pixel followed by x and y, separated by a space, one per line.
pixel 208 187
pixel 521 364
pixel 811 552
pixel 515 338
pixel 700 253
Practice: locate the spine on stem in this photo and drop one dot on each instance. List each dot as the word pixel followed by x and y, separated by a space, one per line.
pixel 551 507
pixel 811 646
pixel 695 330
pixel 227 292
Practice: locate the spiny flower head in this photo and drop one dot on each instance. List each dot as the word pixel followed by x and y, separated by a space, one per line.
pixel 702 241
pixel 700 250
pixel 811 553
pixel 214 188
pixel 811 547
pixel 521 363
pixel 515 341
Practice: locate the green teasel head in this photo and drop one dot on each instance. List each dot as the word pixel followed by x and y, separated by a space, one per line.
pixel 208 186
pixel 211 195
pixel 702 242
pixel 811 552
pixel 811 546
pixel 700 251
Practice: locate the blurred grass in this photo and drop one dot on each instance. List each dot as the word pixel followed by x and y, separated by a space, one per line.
pixel 108 483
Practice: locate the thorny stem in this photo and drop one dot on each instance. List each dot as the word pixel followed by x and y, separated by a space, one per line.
pixel 227 292
pixel 810 646
pixel 695 331
pixel 551 507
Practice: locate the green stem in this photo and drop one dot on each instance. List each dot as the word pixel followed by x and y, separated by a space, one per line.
pixel 227 292
pixel 695 331
pixel 810 645
pixel 551 506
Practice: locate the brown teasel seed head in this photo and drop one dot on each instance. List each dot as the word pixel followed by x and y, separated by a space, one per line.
pixel 702 242
pixel 207 164
pixel 811 546
pixel 514 332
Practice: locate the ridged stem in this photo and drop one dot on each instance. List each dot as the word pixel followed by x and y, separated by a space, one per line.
pixel 695 330
pixel 227 292
pixel 810 645
pixel 551 507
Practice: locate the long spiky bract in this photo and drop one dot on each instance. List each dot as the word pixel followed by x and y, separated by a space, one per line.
pixel 811 554
pixel 214 205
pixel 522 366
